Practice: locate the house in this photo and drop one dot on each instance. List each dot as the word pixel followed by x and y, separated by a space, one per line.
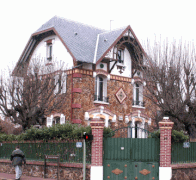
pixel 103 76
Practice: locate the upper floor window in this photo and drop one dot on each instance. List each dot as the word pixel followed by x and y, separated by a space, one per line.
pixel 49 49
pixel 138 95
pixel 60 83
pixel 120 56
pixel 101 89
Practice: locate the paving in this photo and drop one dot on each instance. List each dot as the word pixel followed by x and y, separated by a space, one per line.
pixel 5 176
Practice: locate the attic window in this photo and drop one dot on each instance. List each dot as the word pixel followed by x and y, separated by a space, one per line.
pixel 49 49
pixel 120 56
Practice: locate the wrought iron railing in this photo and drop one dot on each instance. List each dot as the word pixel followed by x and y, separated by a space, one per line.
pixel 138 103
pixel 101 98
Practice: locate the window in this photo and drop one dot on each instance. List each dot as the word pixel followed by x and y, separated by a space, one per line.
pixel 101 89
pixel 55 120
pixel 138 130
pixel 49 50
pixel 120 56
pixel 138 95
pixel 60 83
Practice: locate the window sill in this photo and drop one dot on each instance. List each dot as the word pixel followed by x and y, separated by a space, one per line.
pixel 100 102
pixel 136 106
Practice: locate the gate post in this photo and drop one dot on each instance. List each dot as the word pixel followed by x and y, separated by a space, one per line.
pixel 165 170
pixel 97 126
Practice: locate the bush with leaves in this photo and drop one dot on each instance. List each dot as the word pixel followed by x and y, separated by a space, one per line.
pixel 177 136
pixel 108 132
pixel 65 131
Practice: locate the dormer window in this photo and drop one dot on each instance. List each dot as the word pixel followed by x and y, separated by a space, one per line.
pixel 49 50
pixel 120 56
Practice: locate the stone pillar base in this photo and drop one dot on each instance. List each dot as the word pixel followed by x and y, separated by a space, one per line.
pixel 165 173
pixel 96 173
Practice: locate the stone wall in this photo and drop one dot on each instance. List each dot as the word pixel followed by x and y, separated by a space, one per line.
pixel 83 98
pixel 67 171
pixel 184 174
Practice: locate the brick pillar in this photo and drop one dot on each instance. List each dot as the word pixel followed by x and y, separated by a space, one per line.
pixel 165 171
pixel 97 126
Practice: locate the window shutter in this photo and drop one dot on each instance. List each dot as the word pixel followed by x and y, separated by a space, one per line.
pixel 49 121
pixel 64 83
pixel 62 119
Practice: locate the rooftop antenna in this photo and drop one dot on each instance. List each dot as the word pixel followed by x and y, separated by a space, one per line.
pixel 111 24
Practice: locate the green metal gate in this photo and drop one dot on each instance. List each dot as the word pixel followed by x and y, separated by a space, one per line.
pixel 131 158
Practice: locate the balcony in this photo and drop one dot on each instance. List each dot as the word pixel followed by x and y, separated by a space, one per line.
pixel 138 103
pixel 101 98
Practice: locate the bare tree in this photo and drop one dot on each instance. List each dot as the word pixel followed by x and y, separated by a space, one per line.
pixel 33 93
pixel 171 84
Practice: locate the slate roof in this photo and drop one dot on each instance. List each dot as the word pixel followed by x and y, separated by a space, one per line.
pixel 85 43
pixel 81 45
pixel 106 39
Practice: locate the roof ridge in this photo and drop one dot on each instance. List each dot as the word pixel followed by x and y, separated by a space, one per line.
pixel 124 27
pixel 70 20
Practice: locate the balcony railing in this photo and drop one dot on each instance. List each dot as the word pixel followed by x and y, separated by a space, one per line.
pixel 101 98
pixel 138 103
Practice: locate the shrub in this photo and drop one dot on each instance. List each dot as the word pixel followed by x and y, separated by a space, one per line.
pixel 177 136
pixel 58 132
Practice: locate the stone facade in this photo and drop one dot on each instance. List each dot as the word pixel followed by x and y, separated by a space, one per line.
pixel 82 99
pixel 36 169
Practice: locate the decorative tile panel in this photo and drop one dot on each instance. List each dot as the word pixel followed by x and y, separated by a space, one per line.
pixel 121 96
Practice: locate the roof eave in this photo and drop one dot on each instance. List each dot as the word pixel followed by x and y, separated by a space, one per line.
pixel 114 43
pixel 14 72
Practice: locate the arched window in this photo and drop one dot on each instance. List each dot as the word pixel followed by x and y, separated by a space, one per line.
pixel 138 95
pixel 101 89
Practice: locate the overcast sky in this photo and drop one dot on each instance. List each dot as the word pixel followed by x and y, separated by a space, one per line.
pixel 149 19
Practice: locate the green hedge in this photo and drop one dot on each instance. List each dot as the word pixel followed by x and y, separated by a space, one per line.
pixel 177 136
pixel 65 131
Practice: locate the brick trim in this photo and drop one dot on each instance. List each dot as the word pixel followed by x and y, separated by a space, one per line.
pixel 76 121
pixel 77 75
pixel 76 106
pixel 77 90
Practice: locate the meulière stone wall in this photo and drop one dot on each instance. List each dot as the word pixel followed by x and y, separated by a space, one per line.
pixel 36 169
pixel 85 99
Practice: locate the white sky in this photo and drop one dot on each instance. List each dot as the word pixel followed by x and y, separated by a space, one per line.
pixel 173 19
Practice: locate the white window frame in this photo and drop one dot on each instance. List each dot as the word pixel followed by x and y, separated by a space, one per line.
pixel 60 84
pixel 51 119
pixel 97 88
pixel 49 51
pixel 140 91
pixel 121 58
